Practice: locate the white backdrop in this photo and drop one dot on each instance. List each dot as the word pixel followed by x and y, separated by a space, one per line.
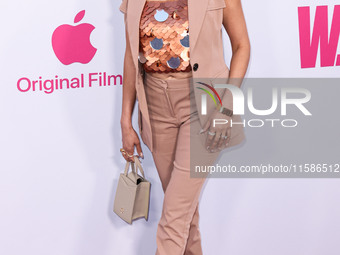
pixel 59 151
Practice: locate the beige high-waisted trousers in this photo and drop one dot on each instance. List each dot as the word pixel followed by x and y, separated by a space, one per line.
pixel 175 127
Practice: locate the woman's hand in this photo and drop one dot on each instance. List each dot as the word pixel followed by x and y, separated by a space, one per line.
pixel 130 139
pixel 218 136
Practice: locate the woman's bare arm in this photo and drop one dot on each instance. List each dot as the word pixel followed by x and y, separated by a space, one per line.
pixel 130 138
pixel 235 25
pixel 129 89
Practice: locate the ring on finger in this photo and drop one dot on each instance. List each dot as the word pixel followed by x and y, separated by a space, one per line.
pixel 124 152
pixel 211 133
pixel 129 155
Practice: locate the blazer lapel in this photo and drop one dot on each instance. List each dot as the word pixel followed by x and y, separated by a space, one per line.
pixel 196 13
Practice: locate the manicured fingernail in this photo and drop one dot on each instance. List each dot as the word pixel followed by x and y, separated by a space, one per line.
pixel 141 154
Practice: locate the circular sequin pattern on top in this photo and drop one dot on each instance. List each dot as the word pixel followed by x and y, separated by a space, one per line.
pixel 164 36
pixel 156 44
pixel 161 15
pixel 141 57
pixel 185 41
pixel 174 62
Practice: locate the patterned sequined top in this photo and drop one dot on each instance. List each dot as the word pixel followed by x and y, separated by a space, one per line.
pixel 164 36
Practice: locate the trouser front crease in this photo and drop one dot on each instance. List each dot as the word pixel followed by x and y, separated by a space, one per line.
pixel 173 120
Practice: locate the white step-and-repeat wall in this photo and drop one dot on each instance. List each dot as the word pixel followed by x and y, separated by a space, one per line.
pixel 61 66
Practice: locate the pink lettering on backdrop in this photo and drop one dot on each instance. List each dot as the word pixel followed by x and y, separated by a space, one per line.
pixel 98 79
pixel 328 44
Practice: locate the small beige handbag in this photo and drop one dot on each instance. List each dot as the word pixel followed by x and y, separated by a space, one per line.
pixel 133 193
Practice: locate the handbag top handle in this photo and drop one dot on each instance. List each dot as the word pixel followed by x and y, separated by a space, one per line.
pixel 138 165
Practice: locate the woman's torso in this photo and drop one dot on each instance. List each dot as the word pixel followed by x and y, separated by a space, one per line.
pixel 164 39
